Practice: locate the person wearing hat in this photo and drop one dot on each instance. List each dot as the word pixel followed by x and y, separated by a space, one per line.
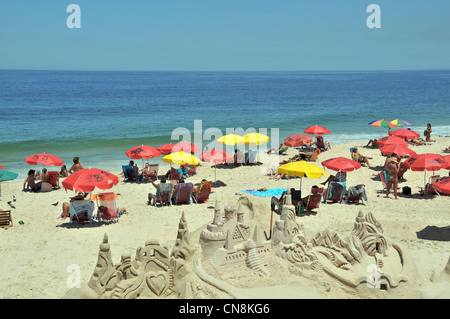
pixel 392 176
pixel 358 157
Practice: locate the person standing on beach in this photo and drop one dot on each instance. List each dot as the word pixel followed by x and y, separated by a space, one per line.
pixel 76 165
pixel 392 176
pixel 427 133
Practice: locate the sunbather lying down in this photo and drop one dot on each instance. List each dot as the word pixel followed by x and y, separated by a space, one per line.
pixel 447 150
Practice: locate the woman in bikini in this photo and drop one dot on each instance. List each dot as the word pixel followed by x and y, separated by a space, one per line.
pixel 392 176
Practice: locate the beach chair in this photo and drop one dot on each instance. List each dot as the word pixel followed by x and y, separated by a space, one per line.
pixel 53 179
pixel 153 171
pixel 192 170
pixel 429 189
pixel 164 192
pixel 401 170
pixel 5 218
pixel 336 190
pixel 313 202
pixel 107 209
pixel 174 176
pixel 240 158
pixel 184 193
pixel 355 194
pixel 81 211
pixel 130 173
pixel 203 193
pixel 320 143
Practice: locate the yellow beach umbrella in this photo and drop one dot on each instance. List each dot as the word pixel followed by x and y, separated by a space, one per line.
pixel 181 158
pixel 302 169
pixel 231 139
pixel 256 139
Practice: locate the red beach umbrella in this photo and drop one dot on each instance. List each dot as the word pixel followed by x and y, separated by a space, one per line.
pixel 447 161
pixel 87 179
pixel 186 147
pixel 400 150
pixel 402 133
pixel 44 159
pixel 316 130
pixel 342 164
pixel 143 151
pixel 443 186
pixel 426 162
pixel 1 166
pixel 166 148
pixel 297 140
pixel 391 140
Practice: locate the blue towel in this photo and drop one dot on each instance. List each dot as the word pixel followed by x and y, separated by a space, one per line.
pixel 268 193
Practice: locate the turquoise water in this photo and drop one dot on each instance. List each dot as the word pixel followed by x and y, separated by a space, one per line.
pixel 99 115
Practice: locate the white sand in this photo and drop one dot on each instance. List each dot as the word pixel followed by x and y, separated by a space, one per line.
pixel 36 255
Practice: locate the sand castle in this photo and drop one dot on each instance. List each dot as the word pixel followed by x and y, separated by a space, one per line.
pixel 367 258
pixel 367 249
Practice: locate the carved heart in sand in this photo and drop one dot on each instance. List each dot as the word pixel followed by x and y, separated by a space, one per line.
pixel 157 282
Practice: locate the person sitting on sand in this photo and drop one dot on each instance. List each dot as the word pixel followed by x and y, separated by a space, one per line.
pixel 30 183
pixel 63 172
pixel 373 144
pixel 183 170
pixel 392 176
pixel 358 157
pixel 446 150
pixel 279 176
pixel 78 196
pixel 280 150
pixel 76 165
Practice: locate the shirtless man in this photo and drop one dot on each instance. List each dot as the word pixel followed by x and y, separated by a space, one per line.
pixel 76 165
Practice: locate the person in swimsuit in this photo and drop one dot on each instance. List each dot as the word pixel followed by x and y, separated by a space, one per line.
pixel 392 176
pixel 76 165
pixel 427 133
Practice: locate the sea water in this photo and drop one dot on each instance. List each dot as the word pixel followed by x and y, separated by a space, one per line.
pixel 100 115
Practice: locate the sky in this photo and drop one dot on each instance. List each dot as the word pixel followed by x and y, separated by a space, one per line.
pixel 225 35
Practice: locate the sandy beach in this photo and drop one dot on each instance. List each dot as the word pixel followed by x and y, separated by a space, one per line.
pixel 37 253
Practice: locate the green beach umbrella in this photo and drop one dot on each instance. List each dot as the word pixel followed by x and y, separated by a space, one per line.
pixel 6 176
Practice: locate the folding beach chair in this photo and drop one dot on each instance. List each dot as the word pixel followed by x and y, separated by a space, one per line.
pixel 320 143
pixel 5 218
pixel 401 170
pixel 429 189
pixel 107 209
pixel 313 202
pixel 203 193
pixel 355 194
pixel 53 179
pixel 192 170
pixel 130 173
pixel 174 176
pixel 184 193
pixel 336 191
pixel 164 193
pixel 81 211
pixel 251 157
pixel 153 171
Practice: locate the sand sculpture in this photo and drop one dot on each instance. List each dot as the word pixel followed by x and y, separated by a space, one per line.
pixel 351 260
pixel 155 272
pixel 367 256
pixel 440 284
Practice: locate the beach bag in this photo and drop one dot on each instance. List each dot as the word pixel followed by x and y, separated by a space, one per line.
pixel 406 190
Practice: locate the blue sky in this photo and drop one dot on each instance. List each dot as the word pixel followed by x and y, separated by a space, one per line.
pixel 248 35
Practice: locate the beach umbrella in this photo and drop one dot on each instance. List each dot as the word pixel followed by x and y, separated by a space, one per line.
pixel 187 147
pixel 1 166
pixel 6 176
pixel 397 122
pixel 400 150
pixel 426 162
pixel 391 140
pixel 443 186
pixel 44 159
pixel 231 139
pixel 381 123
pixel 143 151
pixel 87 179
pixel 302 169
pixel 402 133
pixel 316 130
pixel 166 148
pixel 342 164
pixel 297 140
pixel 181 158
pixel 447 161
pixel 216 156
pixel 256 139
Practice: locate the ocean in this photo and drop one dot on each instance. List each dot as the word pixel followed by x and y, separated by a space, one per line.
pixel 100 115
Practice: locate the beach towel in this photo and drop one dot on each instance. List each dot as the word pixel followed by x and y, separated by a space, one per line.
pixel 267 193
